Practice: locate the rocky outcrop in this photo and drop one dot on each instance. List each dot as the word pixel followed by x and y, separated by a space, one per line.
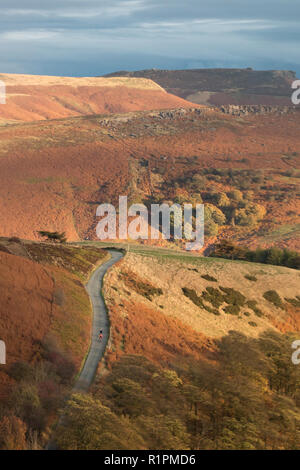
pixel 244 110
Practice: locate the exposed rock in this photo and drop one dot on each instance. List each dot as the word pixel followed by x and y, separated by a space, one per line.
pixel 256 109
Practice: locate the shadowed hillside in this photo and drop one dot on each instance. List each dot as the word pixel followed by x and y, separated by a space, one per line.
pixel 45 321
pixel 223 86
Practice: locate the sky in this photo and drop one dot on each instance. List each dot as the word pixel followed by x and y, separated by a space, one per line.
pixel 94 37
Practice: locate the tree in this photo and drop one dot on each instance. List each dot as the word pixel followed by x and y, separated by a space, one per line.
pixel 214 214
pixel 163 432
pixel 12 433
pixel 89 425
pixel 235 195
pixel 220 199
pixel 55 237
pixel 199 182
pixel 250 214
pixel 211 229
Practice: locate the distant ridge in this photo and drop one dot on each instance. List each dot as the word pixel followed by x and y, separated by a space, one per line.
pixel 222 86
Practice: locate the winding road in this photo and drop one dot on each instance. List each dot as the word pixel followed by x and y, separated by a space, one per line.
pixel 100 322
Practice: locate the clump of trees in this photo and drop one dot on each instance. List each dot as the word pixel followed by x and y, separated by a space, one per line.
pixel 275 256
pixel 37 392
pixel 193 404
pixel 213 217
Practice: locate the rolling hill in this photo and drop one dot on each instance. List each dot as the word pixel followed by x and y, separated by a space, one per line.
pixel 34 97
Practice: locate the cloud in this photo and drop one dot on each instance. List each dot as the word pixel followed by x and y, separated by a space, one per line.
pixel 107 35
pixel 108 9
pixel 27 35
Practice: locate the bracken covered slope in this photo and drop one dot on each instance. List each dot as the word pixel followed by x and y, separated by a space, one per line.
pixel 42 298
pixel 32 98
pixel 54 174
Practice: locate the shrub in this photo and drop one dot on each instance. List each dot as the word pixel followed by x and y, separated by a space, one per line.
pixel 232 309
pixel 236 195
pixel 207 277
pixel 253 305
pixel 250 278
pixel 213 296
pixel 141 287
pixel 273 297
pixel 211 229
pixel 233 297
pixel 55 237
pixel 199 182
pixel 213 213
pixel 192 295
pixel 250 214
pixel 295 302
pixel 220 199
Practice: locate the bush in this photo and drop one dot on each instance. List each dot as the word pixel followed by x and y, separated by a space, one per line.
pixel 213 213
pixel 253 305
pixel 250 214
pixel 207 277
pixel 220 199
pixel 211 229
pixel 55 237
pixel 273 297
pixel 250 278
pixel 192 295
pixel 236 195
pixel 233 297
pixel 213 296
pixel 232 309
pixel 295 302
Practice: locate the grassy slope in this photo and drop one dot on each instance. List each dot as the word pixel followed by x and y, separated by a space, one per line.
pixel 169 323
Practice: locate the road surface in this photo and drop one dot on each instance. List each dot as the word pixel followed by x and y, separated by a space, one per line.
pixel 100 322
